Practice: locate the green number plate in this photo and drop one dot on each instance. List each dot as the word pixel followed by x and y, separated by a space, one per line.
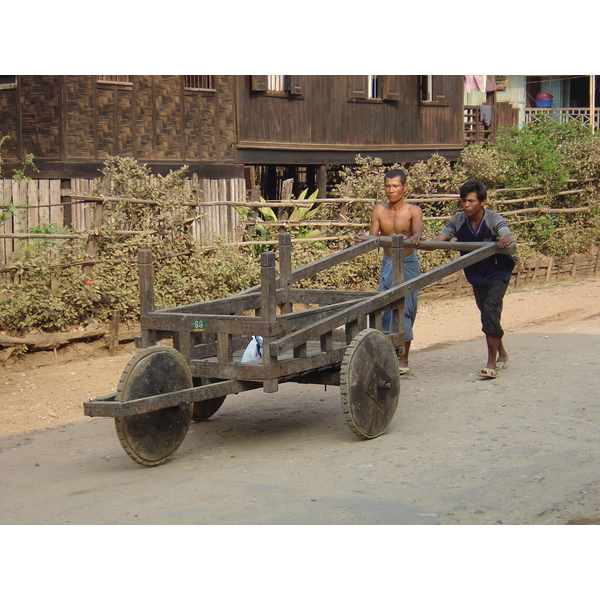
pixel 198 325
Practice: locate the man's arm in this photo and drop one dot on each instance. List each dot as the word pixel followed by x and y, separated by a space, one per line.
pixel 416 223
pixel 505 240
pixel 501 230
pixel 450 228
pixel 375 228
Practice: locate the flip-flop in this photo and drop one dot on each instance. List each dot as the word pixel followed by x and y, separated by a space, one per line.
pixel 501 365
pixel 488 373
pixel 403 370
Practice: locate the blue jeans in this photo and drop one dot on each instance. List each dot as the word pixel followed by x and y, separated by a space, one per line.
pixel 411 270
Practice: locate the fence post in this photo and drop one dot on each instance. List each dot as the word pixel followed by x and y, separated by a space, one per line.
pixel 113 339
pixel 283 212
pixel 95 230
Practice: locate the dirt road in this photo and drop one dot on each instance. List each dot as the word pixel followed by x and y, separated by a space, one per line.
pixel 521 449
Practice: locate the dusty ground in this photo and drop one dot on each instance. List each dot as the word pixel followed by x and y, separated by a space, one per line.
pixel 516 450
pixel 47 390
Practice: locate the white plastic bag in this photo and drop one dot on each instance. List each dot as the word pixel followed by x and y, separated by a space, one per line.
pixel 253 350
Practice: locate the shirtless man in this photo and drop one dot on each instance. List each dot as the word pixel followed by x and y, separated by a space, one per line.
pixel 398 216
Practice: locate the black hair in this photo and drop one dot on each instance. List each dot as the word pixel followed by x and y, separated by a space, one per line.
pixel 473 185
pixel 393 173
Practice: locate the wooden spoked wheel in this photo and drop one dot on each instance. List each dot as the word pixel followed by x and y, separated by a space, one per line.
pixel 369 383
pixel 150 438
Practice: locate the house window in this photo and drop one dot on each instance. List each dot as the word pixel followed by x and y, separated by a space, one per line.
pixel 123 79
pixel 8 81
pixel 372 86
pixel 431 90
pixel 278 83
pixel 199 82
pixel 426 88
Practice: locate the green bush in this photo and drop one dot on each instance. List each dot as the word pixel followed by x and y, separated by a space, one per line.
pixel 34 295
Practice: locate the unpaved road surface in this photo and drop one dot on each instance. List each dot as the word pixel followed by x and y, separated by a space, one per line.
pixel 520 449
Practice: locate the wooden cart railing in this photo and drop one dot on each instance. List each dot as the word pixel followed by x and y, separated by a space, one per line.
pixel 337 342
pixel 211 335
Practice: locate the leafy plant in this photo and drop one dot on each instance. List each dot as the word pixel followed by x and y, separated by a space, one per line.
pixel 35 295
pixel 7 209
pixel 262 232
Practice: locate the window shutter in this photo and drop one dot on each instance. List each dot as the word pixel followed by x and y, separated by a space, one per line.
pixel 439 87
pixel 296 84
pixel 391 87
pixel 259 83
pixel 358 86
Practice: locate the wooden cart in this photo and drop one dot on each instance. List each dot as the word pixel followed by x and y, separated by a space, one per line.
pixel 337 342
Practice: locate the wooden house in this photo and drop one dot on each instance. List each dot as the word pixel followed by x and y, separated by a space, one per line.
pixel 287 123
pixel 221 125
pixel 514 101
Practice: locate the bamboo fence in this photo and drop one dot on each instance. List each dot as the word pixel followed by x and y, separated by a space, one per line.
pixel 37 205
pixel 41 208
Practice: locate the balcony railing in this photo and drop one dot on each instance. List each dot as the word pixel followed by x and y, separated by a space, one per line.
pixel 476 131
pixel 563 115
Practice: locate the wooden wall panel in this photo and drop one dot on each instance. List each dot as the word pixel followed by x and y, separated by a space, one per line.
pixel 330 112
pixel 40 100
pixel 144 122
pixel 79 115
pixel 114 120
pixel 125 122
pixel 192 139
pixel 9 123
pixel 208 129
pixel 225 118
pixel 167 117
pixel 106 121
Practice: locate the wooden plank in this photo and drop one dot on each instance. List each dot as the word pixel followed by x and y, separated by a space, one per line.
pixel 44 201
pixel 327 262
pixel 286 367
pixel 382 299
pixel 234 324
pixel 285 270
pixel 33 202
pixel 231 304
pixel 268 313
pixel 19 197
pixel 6 245
pixel 326 297
pixel 106 406
pixel 56 211
pixel 386 241
pixel 302 318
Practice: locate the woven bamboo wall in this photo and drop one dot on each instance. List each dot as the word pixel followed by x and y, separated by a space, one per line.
pixel 40 116
pixel 70 121
pixel 80 117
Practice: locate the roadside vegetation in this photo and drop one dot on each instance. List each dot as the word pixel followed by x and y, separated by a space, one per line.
pixel 37 295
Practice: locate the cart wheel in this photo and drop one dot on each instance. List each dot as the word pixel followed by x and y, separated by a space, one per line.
pixel 150 438
pixel 369 383
pixel 207 408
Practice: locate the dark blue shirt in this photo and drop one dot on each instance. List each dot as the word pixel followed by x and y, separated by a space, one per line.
pixel 491 227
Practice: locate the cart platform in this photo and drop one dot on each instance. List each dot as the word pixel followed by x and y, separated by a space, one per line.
pixel 338 341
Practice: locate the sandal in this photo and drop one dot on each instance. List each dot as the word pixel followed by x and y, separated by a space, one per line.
pixel 488 373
